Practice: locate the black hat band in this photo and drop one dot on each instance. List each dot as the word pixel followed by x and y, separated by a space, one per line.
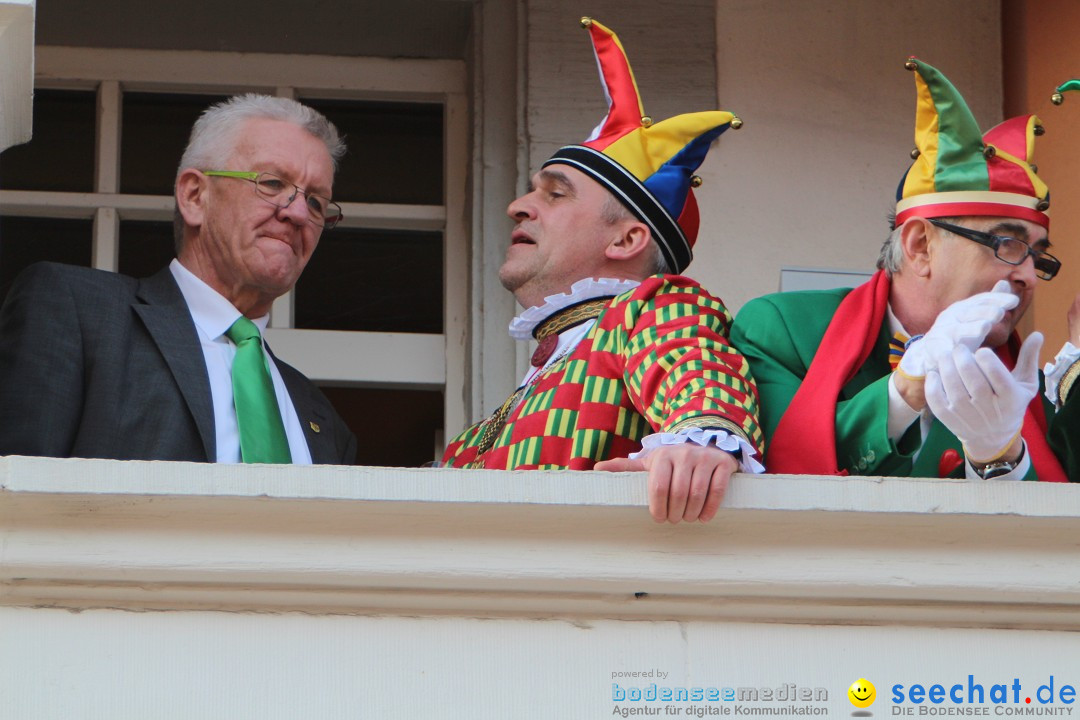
pixel 634 195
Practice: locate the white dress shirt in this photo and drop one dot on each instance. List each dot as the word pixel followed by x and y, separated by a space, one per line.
pixel 213 316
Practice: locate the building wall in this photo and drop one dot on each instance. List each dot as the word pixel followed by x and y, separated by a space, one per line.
pixel 671 50
pixel 266 666
pixel 1038 59
pixel 829 111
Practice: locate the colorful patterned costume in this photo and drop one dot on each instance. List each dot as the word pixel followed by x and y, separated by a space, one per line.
pixel 656 360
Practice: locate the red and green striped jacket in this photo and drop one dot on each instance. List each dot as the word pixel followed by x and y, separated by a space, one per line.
pixel 656 360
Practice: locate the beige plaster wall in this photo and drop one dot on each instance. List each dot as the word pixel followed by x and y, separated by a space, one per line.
pixel 1037 60
pixel 671 49
pixel 829 112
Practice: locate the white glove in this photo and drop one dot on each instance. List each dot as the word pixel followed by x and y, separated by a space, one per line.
pixel 980 401
pixel 964 323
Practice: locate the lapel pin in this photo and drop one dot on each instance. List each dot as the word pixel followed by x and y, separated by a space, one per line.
pixel 314 425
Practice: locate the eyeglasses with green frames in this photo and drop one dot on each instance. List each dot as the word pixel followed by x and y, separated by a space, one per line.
pixel 280 193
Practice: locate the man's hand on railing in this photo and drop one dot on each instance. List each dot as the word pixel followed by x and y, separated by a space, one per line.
pixel 686 482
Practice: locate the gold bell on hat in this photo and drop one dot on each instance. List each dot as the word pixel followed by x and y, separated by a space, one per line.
pixel 1059 92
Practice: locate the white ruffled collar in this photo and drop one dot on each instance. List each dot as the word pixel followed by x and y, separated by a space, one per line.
pixel 521 327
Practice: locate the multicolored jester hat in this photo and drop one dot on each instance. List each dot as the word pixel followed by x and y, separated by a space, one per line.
pixel 648 166
pixel 958 171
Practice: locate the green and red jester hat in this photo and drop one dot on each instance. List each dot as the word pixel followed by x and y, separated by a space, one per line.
pixel 960 172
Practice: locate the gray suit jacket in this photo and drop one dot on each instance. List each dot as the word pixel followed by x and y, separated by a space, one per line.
pixel 99 365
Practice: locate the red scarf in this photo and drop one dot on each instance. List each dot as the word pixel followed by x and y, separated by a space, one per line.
pixel 805 439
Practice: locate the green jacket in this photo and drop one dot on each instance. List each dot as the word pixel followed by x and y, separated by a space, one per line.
pixel 779 335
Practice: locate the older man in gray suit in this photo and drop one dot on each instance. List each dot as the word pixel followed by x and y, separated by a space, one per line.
pixel 173 367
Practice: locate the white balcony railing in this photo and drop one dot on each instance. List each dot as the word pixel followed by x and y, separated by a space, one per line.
pixel 132 589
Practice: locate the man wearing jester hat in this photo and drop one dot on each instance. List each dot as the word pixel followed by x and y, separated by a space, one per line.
pixel 919 372
pixel 631 360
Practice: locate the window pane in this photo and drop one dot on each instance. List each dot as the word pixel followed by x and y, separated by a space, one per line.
pixel 25 241
pixel 60 156
pixel 400 434
pixel 156 130
pixel 373 280
pixel 145 247
pixel 395 151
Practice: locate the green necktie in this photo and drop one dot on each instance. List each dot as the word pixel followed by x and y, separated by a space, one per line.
pixel 262 434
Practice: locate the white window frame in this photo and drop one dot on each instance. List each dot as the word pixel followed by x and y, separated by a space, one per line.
pixel 380 359
pixel 16 70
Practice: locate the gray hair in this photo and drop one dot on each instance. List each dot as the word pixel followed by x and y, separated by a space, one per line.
pixel 891 257
pixel 216 133
pixel 659 264
pixel 614 211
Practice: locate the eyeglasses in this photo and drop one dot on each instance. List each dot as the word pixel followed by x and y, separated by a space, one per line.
pixel 276 191
pixel 1008 249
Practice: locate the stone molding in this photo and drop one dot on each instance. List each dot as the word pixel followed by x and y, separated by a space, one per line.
pixel 341 540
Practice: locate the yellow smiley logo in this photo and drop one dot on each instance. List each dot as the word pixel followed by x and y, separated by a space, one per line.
pixel 862 693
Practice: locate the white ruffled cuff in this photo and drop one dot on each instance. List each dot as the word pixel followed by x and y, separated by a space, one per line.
pixel 743 451
pixel 1055 371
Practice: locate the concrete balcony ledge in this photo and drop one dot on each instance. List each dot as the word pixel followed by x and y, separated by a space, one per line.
pixel 338 540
